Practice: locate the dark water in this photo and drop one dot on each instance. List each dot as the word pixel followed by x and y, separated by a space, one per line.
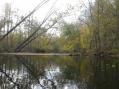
pixel 58 72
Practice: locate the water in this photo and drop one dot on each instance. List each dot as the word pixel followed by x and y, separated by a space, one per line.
pixel 58 72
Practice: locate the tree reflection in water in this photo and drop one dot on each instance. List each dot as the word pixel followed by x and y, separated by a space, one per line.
pixel 58 72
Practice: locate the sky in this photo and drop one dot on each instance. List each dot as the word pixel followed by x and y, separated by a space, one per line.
pixel 25 6
pixel 28 5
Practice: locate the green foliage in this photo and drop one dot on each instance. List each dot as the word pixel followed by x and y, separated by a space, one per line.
pixel 101 31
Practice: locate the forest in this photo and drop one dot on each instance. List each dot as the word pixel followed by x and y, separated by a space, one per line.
pixel 73 48
pixel 95 30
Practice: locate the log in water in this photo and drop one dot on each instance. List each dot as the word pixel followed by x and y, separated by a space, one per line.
pixel 37 54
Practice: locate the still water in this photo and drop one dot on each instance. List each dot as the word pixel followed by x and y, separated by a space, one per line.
pixel 59 72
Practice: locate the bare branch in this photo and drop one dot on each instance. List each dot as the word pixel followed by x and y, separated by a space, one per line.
pixel 35 9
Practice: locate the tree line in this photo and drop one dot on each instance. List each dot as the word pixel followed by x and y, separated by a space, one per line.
pixel 97 30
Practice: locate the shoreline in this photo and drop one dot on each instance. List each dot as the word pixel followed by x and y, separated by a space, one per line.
pixel 37 54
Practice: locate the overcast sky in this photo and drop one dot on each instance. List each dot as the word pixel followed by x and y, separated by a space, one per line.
pixel 25 6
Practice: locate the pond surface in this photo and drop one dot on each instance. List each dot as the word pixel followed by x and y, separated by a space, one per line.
pixel 59 72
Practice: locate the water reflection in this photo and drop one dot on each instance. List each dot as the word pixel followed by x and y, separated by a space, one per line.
pixel 58 72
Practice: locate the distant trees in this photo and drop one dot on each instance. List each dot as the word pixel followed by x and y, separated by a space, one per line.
pixel 104 25
pixel 98 31
pixel 70 37
pixel 31 35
